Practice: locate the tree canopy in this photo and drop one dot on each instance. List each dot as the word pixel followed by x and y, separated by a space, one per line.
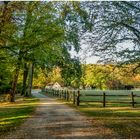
pixel 115 33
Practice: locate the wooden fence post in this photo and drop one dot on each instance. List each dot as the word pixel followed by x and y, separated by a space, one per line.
pixel 70 95
pixel 78 98
pixel 73 97
pixel 103 99
pixel 132 97
pixel 63 94
pixel 57 93
pixel 54 92
pixel 67 95
pixel 60 94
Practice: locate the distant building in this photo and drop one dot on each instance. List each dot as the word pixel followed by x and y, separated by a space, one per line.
pixel 88 87
pixel 56 86
pixel 51 85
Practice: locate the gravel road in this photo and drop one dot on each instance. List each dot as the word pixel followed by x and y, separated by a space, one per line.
pixel 55 120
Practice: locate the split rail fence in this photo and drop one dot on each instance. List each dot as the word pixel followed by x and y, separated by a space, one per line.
pixel 76 97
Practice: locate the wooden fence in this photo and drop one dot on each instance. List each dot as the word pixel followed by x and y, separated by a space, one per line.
pixel 75 97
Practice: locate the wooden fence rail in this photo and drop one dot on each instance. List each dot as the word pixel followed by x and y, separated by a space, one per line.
pixel 74 96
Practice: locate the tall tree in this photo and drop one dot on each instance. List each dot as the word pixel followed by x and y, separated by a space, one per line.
pixel 34 30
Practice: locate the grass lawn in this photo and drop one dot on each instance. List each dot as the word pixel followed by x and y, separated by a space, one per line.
pixel 13 114
pixel 124 121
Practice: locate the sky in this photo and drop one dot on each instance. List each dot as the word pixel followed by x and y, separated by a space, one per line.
pixel 92 60
pixel 84 57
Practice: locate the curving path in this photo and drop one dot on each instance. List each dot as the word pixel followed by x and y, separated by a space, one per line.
pixel 55 120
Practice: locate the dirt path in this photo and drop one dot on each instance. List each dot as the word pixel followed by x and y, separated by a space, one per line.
pixel 53 120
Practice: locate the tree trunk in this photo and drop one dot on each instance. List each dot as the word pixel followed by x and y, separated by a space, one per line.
pixel 15 79
pixel 25 75
pixel 14 85
pixel 31 69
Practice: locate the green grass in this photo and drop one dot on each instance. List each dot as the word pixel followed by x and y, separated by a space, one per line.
pixel 124 121
pixel 13 114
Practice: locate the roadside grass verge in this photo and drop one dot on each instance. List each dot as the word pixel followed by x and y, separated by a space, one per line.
pixel 122 120
pixel 14 114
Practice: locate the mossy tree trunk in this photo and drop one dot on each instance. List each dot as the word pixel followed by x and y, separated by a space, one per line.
pixel 25 75
pixel 30 80
pixel 15 79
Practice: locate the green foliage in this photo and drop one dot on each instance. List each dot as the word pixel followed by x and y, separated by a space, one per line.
pixel 43 77
pixel 71 73
pixel 121 121
pixel 109 76
pixel 90 75
pixel 5 73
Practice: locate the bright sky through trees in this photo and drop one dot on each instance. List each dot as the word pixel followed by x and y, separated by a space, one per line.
pixel 84 56
pixel 87 57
